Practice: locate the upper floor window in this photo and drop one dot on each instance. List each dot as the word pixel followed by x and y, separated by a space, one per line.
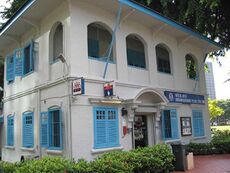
pixel 28 62
pixel 135 52
pixel 191 67
pixel 56 41
pixel 99 39
pixel 10 69
pixel 163 59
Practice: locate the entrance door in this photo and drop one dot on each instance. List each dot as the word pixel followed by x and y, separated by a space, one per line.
pixel 140 131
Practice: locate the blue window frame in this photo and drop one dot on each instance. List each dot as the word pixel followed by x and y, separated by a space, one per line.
pixel 106 132
pixel 57 42
pixel 44 128
pixel 198 123
pixel 55 129
pixel 170 125
pixel 28 129
pixel 163 60
pixel 10 130
pixel 99 40
pixel 135 52
pixel 51 129
pixel 28 60
pixel 10 69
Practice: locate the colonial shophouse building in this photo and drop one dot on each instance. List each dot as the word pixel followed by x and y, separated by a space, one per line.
pixel 85 77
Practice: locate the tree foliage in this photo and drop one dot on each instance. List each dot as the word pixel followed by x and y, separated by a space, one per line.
pixel 8 12
pixel 209 17
pixel 214 110
pixel 225 105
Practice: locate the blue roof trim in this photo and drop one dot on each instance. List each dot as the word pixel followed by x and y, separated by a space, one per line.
pixel 15 17
pixel 170 22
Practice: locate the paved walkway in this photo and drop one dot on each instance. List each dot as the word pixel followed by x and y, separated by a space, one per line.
pixel 211 164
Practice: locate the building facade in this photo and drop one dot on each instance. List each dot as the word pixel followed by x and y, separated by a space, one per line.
pixel 210 83
pixel 86 77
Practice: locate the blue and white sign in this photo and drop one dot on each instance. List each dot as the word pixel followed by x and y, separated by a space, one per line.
pixel 176 97
pixel 78 86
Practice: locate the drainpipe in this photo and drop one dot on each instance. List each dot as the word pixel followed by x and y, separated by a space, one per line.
pixel 38 121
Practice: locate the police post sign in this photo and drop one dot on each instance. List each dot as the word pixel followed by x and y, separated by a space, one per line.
pixel 78 86
pixel 109 89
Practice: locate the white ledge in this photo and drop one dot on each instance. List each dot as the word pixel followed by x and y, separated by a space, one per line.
pixel 199 137
pixel 10 147
pixel 55 152
pixel 173 141
pixel 98 151
pixel 28 149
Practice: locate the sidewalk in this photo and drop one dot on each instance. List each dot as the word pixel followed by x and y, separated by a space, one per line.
pixel 210 164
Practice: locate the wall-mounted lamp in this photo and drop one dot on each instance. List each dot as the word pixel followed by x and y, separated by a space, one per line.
pixel 63 60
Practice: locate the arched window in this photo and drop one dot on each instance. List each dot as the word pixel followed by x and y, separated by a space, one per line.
pixel 135 52
pixel 163 59
pixel 56 39
pixel 190 67
pixel 99 39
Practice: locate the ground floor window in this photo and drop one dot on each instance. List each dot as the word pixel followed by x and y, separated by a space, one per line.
pixel 51 129
pixel 10 130
pixel 198 123
pixel 28 129
pixel 170 124
pixel 106 132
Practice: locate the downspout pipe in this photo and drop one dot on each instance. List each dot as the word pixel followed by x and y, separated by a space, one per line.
pixel 109 51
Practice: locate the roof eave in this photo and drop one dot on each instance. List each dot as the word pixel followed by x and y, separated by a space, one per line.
pixel 170 22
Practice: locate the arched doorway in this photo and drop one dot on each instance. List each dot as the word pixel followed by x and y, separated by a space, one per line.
pixel 146 130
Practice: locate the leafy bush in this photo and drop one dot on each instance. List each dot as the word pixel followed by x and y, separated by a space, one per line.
pixel 46 165
pixel 154 159
pixel 220 144
pixel 6 167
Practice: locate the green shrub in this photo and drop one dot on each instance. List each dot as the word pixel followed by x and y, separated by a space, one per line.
pixel 46 165
pixel 220 144
pixel 154 159
pixel 6 167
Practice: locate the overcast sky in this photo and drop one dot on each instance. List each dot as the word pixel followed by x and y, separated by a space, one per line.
pixel 221 73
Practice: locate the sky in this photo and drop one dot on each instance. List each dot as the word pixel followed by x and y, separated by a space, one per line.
pixel 2 4
pixel 221 73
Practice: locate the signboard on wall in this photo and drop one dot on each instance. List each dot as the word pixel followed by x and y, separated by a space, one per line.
pixel 109 89
pixel 186 126
pixel 78 86
pixel 177 97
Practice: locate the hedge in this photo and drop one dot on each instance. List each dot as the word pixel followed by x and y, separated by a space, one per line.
pixel 154 159
pixel 220 144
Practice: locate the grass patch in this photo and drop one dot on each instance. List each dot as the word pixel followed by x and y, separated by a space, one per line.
pixel 221 128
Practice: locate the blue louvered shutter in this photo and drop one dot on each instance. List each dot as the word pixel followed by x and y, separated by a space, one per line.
pixel 163 125
pixel 198 123
pixel 174 124
pixel 112 128
pixel 19 55
pixel 44 129
pixel 10 68
pixel 100 128
pixel 93 48
pixel 28 58
pixel 55 129
pixel 28 130
pixel 10 130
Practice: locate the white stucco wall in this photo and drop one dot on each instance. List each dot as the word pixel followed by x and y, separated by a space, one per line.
pixel 78 120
